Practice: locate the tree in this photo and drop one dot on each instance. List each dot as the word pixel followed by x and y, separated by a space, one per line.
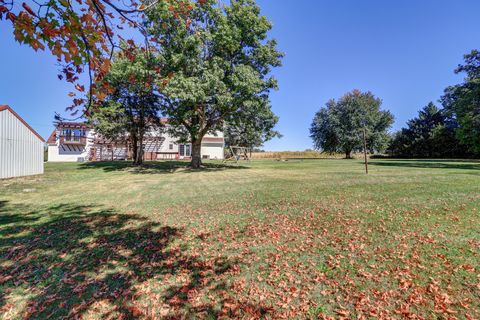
pixel 462 102
pixel 215 66
pixel 132 109
pixel 430 135
pixel 340 125
pixel 252 130
pixel 81 34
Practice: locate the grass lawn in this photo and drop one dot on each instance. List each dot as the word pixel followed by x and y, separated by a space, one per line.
pixel 297 239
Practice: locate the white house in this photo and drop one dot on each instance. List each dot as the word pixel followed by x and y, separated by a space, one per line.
pixel 21 147
pixel 77 142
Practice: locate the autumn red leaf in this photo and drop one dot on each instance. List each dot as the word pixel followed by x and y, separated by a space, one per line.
pixel 79 87
pixel 28 9
pixel 82 37
pixel 11 16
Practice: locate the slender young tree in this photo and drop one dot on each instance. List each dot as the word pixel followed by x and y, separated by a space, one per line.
pixel 216 61
pixel 252 130
pixel 341 125
pixel 132 109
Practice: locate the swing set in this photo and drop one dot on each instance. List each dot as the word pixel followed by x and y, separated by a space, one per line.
pixel 236 154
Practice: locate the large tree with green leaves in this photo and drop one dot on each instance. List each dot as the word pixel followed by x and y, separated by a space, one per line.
pixel 132 108
pixel 215 66
pixel 462 101
pixel 339 127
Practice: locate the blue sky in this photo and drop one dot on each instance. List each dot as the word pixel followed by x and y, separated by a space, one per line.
pixel 404 51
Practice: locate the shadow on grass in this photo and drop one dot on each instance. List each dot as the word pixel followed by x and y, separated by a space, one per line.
pixel 428 164
pixel 158 167
pixel 71 261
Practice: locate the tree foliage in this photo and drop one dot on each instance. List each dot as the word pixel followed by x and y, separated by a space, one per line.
pixel 81 34
pixel 131 111
pixel 215 69
pixel 339 126
pixel 462 102
pixel 252 130
pixel 430 135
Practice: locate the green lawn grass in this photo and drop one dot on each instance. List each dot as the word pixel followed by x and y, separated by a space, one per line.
pixel 295 239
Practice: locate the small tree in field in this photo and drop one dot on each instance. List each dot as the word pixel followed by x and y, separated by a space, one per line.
pixel 133 107
pixel 215 66
pixel 339 127
pixel 252 131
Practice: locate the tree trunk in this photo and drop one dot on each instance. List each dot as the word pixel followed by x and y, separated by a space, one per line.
pixel 365 149
pixel 196 154
pixel 348 154
pixel 139 159
pixel 134 148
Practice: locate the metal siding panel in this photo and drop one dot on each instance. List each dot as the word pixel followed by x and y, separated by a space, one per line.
pixel 2 145
pixel 21 152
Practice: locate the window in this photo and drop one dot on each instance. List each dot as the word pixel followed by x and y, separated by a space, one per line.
pixel 73 134
pixel 185 150
pixel 170 146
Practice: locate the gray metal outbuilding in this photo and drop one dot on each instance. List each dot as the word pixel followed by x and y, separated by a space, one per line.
pixel 21 148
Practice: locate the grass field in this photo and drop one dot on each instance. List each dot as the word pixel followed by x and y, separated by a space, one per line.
pixel 296 155
pixel 297 239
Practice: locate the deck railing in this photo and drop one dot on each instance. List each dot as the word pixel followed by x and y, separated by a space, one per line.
pixel 77 140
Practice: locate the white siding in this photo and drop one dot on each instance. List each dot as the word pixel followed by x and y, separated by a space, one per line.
pixel 214 150
pixel 21 151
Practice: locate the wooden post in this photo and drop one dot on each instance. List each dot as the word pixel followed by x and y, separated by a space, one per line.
pixel 234 155
pixel 365 149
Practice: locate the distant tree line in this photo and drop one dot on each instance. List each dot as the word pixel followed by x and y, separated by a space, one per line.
pixel 432 134
pixel 449 132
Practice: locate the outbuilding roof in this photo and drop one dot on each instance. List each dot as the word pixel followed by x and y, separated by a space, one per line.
pixel 5 107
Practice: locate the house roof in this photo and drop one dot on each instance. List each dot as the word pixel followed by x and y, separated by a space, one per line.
pixel 79 125
pixel 84 125
pixel 52 139
pixel 212 139
pixel 5 107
